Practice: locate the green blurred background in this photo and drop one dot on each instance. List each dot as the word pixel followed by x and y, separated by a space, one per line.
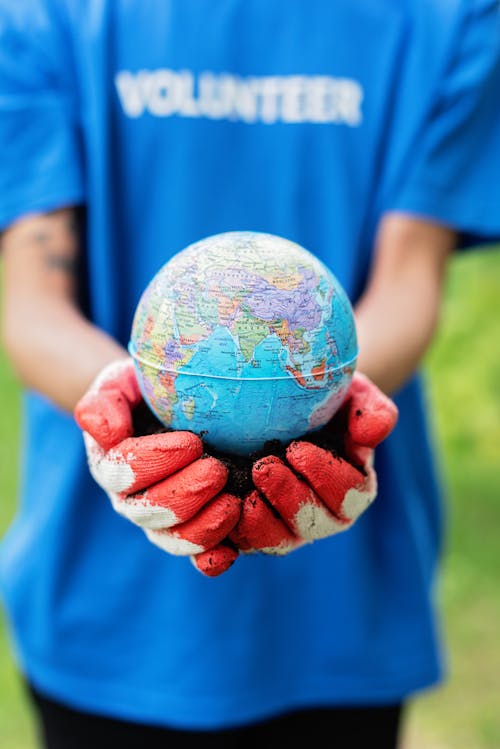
pixel 463 371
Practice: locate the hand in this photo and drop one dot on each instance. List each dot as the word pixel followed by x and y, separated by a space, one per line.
pixel 313 493
pixel 161 482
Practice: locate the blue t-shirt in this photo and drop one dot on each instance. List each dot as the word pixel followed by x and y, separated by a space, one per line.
pixel 172 120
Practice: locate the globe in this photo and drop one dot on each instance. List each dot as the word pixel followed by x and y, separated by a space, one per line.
pixel 244 338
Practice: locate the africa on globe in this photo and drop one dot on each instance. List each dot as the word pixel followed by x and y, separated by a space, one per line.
pixel 244 337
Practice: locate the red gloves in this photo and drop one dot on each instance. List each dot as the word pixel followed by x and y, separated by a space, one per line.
pixel 165 484
pixel 313 494
pixel 159 481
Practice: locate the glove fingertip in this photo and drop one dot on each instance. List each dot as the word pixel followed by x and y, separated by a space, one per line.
pixel 216 561
pixel 105 409
pixel 118 375
pixel 263 465
pixel 211 464
pixel 210 525
pixel 107 432
pixel 370 426
pixel 300 452
pixel 182 442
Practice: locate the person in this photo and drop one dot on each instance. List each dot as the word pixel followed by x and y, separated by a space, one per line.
pixel 368 133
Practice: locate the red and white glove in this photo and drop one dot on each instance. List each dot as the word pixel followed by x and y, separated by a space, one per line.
pixel 313 494
pixel 159 481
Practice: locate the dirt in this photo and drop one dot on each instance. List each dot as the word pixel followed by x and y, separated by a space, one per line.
pixel 239 482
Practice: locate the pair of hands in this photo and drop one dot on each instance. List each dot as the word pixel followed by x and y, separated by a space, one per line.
pixel 167 484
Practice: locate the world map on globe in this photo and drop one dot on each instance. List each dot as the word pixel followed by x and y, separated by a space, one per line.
pixel 243 338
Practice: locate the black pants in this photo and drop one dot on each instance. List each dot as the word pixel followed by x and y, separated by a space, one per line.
pixel 61 727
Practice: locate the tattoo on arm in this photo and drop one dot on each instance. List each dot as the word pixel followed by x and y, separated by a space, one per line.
pixel 44 250
pixel 59 246
pixel 60 262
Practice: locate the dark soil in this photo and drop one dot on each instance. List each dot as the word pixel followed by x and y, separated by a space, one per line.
pixel 145 422
pixel 331 438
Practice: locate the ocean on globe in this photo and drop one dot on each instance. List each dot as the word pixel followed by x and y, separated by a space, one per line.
pixel 244 337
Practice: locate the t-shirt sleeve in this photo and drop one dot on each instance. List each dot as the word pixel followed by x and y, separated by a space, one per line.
pixel 452 173
pixel 40 144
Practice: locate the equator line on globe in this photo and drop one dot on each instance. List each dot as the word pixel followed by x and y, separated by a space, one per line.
pixel 244 337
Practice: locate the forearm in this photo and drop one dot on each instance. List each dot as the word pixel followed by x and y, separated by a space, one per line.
pixel 398 314
pixel 51 345
pixel 60 364
pixel 392 341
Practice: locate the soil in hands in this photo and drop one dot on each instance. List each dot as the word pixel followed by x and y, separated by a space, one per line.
pixel 330 437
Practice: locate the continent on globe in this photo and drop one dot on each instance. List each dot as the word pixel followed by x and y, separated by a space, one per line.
pixel 244 337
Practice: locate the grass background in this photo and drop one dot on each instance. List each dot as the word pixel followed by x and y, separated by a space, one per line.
pixel 463 370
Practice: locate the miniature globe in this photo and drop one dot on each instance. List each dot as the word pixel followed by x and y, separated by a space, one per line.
pixel 243 338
